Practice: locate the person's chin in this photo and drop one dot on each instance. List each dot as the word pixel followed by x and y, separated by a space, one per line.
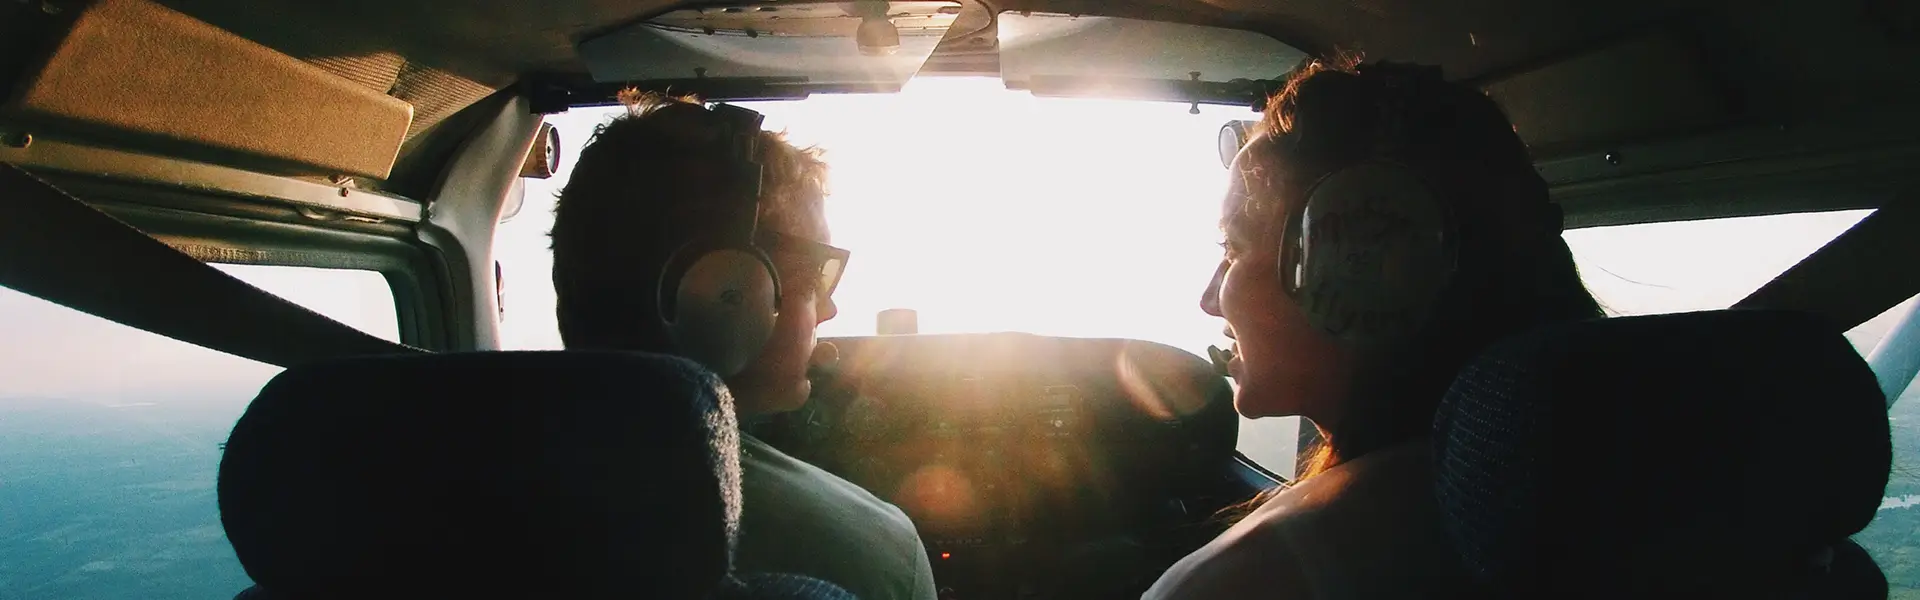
pixel 1252 401
pixel 774 399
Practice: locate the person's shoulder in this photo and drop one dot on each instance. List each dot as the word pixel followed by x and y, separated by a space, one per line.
pixel 1377 514
pixel 801 518
pixel 1396 479
pixel 1253 558
pixel 799 484
pixel 1329 536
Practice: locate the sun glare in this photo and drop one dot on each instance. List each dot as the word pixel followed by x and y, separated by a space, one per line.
pixel 990 210
pixel 984 210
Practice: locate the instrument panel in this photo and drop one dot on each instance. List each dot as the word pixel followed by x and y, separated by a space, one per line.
pixel 1013 452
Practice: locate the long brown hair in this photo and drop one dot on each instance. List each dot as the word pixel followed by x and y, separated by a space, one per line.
pixel 1514 271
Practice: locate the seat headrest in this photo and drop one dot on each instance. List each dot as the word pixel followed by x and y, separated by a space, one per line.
pixel 497 474
pixel 1633 451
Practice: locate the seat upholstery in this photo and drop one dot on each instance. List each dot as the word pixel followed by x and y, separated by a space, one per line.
pixel 495 475
pixel 1713 454
pixel 780 586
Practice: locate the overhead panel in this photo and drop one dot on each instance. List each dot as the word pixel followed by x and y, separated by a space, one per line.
pixel 843 46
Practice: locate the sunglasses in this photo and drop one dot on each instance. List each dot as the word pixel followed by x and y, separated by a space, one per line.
pixel 832 261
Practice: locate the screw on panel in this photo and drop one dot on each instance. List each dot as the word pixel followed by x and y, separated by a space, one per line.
pixel 1613 158
pixel 346 183
pixel 16 140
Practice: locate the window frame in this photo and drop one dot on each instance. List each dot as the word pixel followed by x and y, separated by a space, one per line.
pixel 233 230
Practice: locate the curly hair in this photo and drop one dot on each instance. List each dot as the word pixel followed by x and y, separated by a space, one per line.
pixel 639 191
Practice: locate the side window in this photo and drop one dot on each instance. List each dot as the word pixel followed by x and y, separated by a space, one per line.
pixel 1894 535
pixel 109 442
pixel 1682 266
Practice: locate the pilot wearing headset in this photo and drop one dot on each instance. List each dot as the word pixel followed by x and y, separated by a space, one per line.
pixel 688 230
pixel 1383 227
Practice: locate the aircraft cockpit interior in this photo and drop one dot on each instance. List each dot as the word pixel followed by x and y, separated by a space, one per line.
pixel 959 299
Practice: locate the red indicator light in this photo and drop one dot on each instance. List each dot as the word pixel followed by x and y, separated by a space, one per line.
pixel 946 555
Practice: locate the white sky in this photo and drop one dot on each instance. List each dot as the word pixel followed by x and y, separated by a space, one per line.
pixel 983 208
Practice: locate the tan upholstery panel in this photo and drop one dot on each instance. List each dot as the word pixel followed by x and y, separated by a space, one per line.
pixel 136 66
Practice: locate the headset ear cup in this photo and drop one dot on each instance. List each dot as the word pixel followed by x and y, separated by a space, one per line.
pixel 1370 254
pixel 724 305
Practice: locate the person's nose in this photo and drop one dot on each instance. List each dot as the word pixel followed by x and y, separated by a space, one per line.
pixel 1210 299
pixel 828 309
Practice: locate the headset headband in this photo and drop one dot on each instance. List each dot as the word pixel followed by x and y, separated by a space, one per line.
pixel 740 128
pixel 719 293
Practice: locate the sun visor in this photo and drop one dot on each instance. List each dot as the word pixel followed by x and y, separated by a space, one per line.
pixel 1067 55
pixel 862 46
pixel 138 73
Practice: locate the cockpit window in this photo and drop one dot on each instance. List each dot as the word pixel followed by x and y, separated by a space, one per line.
pixel 1683 266
pixel 986 210
pixel 982 208
pixel 110 440
pixel 1893 538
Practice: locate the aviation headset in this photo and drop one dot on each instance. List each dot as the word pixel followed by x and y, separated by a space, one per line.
pixel 1371 249
pixel 719 293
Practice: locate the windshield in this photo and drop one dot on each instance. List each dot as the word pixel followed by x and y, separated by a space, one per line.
pixel 982 208
pixel 988 209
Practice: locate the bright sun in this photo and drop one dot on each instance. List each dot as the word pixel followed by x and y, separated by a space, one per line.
pixel 985 210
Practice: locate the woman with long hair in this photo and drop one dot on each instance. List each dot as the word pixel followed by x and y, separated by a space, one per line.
pixel 1382 227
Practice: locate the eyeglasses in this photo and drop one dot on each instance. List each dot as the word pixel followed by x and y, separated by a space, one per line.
pixel 832 261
